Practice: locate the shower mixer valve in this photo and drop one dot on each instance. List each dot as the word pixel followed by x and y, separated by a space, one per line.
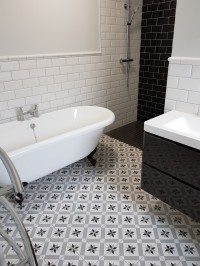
pixel 126 60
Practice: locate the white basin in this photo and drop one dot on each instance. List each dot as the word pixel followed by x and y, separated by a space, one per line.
pixel 185 125
pixel 181 127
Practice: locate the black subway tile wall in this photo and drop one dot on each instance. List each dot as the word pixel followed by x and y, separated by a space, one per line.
pixel 158 18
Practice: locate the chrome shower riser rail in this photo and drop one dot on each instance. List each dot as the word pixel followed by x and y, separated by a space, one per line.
pixel 128 42
pixel 128 59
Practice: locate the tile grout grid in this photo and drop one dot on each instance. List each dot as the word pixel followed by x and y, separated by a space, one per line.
pixel 99 216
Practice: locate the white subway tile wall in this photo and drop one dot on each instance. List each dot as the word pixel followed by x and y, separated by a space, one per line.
pixel 60 82
pixel 183 85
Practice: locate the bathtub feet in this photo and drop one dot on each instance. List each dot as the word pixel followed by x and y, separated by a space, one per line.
pixel 90 157
pixel 25 184
pixel 19 198
pixel 93 161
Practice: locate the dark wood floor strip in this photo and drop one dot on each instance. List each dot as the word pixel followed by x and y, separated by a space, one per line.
pixel 131 134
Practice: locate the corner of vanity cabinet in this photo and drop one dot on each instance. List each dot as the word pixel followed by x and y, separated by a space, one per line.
pixel 165 176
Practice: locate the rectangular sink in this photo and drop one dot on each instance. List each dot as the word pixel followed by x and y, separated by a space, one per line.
pixel 185 125
pixel 177 126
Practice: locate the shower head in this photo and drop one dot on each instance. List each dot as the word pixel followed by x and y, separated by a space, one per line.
pixel 136 10
pixel 131 20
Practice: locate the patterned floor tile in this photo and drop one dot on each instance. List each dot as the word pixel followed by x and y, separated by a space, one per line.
pixel 191 263
pixel 99 216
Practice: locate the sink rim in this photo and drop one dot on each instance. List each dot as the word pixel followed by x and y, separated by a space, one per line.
pixel 157 126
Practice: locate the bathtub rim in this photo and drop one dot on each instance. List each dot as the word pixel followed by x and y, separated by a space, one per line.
pixel 72 133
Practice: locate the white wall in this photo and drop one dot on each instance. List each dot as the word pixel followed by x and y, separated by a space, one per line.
pixel 49 27
pixel 61 82
pixel 183 86
pixel 187 29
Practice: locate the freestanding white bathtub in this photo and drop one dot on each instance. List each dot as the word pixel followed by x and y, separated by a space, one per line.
pixel 59 139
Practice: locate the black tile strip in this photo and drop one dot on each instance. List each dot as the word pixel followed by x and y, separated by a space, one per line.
pixel 158 18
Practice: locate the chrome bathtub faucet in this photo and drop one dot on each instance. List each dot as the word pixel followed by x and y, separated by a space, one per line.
pixel 33 112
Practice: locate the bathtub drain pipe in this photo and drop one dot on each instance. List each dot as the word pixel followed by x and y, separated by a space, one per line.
pixel 13 174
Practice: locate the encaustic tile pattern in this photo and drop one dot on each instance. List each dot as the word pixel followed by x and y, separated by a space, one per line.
pixel 99 216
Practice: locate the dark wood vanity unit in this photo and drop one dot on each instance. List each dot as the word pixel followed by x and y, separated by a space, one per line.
pixel 171 172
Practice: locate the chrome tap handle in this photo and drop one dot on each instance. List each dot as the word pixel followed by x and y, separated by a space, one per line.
pixel 32 112
pixel 35 110
pixel 20 114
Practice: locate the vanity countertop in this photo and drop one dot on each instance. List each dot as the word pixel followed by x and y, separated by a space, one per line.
pixel 177 126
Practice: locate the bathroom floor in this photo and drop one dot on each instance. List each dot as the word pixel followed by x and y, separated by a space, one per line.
pixel 131 134
pixel 85 215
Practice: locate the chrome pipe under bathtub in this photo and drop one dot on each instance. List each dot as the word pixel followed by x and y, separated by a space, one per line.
pixel 13 174
pixel 29 256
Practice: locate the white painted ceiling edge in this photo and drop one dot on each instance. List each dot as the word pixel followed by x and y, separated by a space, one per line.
pixel 187 29
pixel 43 28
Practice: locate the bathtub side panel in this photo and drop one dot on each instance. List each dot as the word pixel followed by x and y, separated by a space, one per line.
pixel 40 161
pixel 15 135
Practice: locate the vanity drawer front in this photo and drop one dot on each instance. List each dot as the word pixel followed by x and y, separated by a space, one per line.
pixel 175 193
pixel 173 159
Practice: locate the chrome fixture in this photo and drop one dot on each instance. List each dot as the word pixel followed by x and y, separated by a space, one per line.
pixel 33 126
pixel 32 112
pixel 130 17
pixel 28 256
pixel 14 177
pixel 129 23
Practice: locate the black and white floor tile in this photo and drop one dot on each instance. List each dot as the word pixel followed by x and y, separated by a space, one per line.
pixel 99 216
